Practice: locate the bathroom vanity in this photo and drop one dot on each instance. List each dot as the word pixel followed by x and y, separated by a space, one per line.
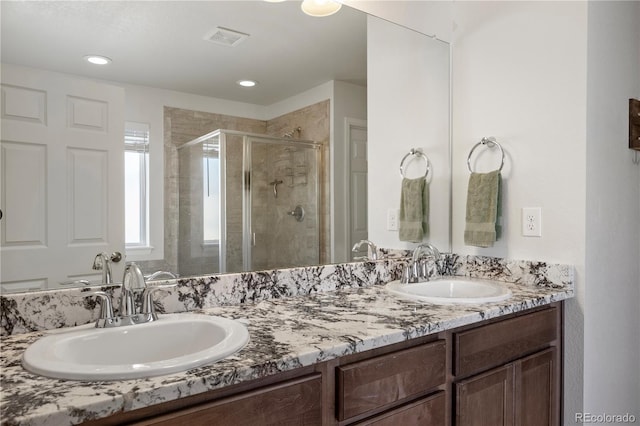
pixel 501 371
pixel 350 356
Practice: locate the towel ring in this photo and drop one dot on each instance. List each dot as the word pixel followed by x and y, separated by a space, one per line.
pixel 417 153
pixel 490 142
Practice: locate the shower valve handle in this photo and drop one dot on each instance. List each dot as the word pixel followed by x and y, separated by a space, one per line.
pixel 298 213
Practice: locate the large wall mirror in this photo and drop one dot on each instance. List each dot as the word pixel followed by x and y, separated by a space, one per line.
pixel 294 170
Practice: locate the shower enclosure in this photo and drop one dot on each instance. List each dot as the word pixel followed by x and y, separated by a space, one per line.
pixel 248 202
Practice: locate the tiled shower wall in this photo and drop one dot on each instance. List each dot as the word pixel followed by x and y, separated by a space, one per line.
pixel 315 123
pixel 182 126
pixel 281 240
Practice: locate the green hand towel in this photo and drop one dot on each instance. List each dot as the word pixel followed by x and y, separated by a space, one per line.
pixel 483 209
pixel 414 209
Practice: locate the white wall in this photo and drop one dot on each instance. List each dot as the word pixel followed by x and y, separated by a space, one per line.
pixel 349 101
pixel 612 296
pixel 519 74
pixel 408 107
pixel 314 95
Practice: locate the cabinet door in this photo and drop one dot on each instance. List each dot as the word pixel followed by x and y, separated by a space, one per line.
pixel 486 399
pixel 537 389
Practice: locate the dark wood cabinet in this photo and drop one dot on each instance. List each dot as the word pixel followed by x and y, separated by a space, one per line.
pixel 522 393
pixel 294 402
pixel 384 380
pixel 509 373
pixel 486 399
pixel 497 343
pixel 430 411
pixel 537 389
pixel 504 371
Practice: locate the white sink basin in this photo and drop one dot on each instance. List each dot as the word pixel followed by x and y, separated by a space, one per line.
pixel 451 290
pixel 175 342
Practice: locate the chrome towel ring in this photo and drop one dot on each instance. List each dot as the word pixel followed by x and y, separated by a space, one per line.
pixel 490 142
pixel 417 153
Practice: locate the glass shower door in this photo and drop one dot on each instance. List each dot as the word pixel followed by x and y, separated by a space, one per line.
pixel 281 205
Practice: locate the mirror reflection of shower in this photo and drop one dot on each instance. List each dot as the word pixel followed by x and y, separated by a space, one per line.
pixel 239 194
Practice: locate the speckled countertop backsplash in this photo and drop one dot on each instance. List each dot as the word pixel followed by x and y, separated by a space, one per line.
pixel 44 310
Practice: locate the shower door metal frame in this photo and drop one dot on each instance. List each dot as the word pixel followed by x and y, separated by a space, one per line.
pixel 222 248
pixel 248 237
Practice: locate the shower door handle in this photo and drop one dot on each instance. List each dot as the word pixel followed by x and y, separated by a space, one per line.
pixel 253 239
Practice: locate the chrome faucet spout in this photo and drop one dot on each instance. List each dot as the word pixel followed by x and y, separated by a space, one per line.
pixel 432 250
pixel 417 253
pixel 416 270
pixel 132 283
pixel 371 248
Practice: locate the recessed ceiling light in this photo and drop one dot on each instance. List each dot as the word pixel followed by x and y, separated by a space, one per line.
pixel 97 59
pixel 247 83
pixel 320 8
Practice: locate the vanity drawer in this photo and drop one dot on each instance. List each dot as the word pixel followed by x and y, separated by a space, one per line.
pixel 428 411
pixel 295 402
pixel 500 342
pixel 375 383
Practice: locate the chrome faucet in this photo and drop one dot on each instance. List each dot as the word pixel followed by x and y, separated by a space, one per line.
pixel 416 271
pixel 371 249
pixel 132 310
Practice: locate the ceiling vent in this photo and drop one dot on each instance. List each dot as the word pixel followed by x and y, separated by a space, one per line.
pixel 225 37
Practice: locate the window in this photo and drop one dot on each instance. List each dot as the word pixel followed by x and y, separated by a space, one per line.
pixel 211 193
pixel 136 201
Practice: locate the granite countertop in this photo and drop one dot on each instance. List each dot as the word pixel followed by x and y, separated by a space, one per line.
pixel 286 333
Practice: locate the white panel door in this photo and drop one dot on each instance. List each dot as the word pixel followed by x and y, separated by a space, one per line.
pixel 358 186
pixel 62 159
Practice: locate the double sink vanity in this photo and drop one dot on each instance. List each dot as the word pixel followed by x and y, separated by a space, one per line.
pixel 333 345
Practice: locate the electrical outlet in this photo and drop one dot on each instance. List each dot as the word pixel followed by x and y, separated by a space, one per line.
pixel 392 219
pixel 532 221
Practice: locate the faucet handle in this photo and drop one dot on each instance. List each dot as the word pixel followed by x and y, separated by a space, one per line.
pixel 147 299
pixel 106 307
